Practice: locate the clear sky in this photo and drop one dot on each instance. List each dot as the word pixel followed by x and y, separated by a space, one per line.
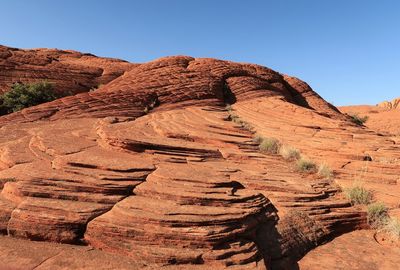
pixel 347 50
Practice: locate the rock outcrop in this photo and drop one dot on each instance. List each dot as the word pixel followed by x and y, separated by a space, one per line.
pixel 384 119
pixel 394 104
pixel 70 72
pixel 150 167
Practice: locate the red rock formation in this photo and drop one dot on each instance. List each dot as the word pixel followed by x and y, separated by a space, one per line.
pixel 394 104
pixel 150 167
pixel 71 72
pixel 384 118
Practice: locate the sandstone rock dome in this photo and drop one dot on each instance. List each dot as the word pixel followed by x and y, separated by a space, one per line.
pixel 149 166
pixel 394 104
pixel 72 72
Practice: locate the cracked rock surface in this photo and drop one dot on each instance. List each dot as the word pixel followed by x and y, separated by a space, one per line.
pixel 148 172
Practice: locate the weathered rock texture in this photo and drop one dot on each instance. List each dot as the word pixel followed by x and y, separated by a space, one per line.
pixel 383 118
pixel 150 167
pixel 344 253
pixel 394 104
pixel 70 72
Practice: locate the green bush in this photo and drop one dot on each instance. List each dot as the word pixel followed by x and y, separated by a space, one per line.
pixel 359 120
pixel 289 152
pixel 269 145
pixel 3 109
pixel 26 95
pixel 358 195
pixel 377 214
pixel 306 165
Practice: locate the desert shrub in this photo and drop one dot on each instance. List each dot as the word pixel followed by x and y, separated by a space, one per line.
pixel 304 164
pixel 247 126
pixel 151 105
pixel 94 88
pixel 289 152
pixel 269 145
pixel 258 139
pixel 377 214
pixel 234 118
pixel 26 95
pixel 393 228
pixel 3 108
pixel 359 120
pixel 358 195
pixel 325 171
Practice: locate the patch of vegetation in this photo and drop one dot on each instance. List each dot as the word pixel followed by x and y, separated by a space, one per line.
pixel 236 119
pixel 247 126
pixel 153 103
pixel 358 195
pixel 359 120
pixel 258 139
pixel 269 145
pixel 325 171
pixel 94 88
pixel 304 164
pixel 377 214
pixel 289 152
pixel 26 95
pixel 392 227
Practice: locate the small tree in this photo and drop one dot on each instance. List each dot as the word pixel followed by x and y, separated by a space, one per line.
pixel 26 95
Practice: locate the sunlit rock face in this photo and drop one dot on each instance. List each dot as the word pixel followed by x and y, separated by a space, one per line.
pixel 70 71
pixel 150 167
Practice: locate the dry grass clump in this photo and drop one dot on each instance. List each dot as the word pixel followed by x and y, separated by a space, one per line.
pixel 247 126
pixel 258 139
pixel 358 195
pixel 289 152
pixel 325 171
pixel 305 164
pixel 377 214
pixel 392 227
pixel 269 145
pixel 236 119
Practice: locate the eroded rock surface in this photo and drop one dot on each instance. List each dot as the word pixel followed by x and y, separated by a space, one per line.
pixel 383 119
pixel 394 104
pixel 71 72
pixel 150 167
pixel 356 250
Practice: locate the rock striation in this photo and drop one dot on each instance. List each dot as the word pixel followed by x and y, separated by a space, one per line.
pixel 394 104
pixel 384 119
pixel 71 72
pixel 151 168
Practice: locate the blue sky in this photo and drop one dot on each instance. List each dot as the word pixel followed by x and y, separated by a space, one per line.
pixel 348 51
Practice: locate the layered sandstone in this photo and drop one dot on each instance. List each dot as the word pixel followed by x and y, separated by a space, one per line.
pixel 383 119
pixel 69 71
pixel 394 104
pixel 150 167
